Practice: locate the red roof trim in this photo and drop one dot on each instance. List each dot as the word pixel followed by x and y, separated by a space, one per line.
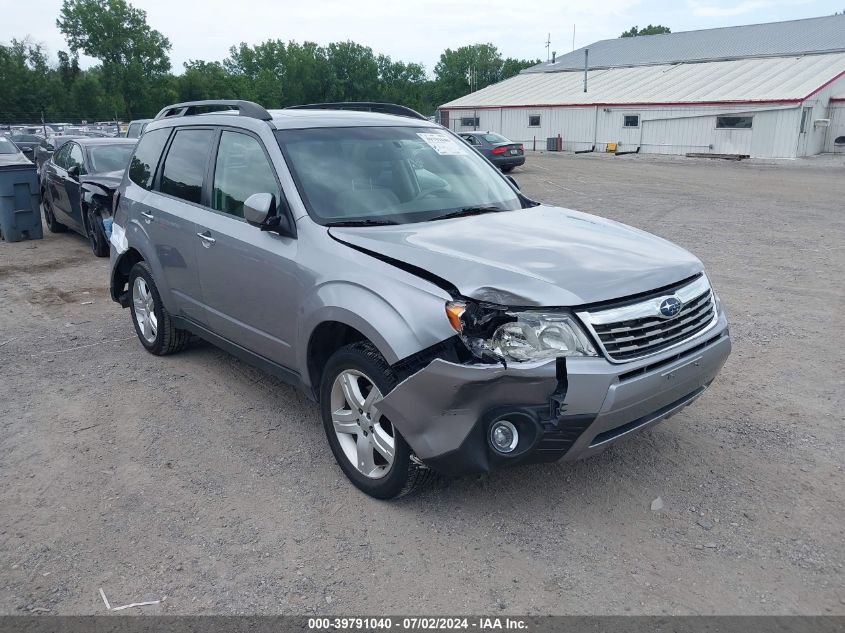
pixel 825 84
pixel 838 99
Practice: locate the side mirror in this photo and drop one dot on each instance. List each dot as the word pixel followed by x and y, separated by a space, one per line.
pixel 257 208
pixel 513 182
pixel 73 172
pixel 260 210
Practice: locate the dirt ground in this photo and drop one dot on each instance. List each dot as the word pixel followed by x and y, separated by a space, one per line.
pixel 199 478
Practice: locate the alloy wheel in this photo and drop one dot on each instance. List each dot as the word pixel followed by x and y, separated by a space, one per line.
pixel 366 437
pixel 144 306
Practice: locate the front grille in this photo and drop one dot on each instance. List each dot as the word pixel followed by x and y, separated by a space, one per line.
pixel 640 330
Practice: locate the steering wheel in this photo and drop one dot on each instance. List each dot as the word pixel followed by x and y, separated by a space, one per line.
pixel 432 192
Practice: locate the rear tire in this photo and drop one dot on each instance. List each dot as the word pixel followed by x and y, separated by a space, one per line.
pixel 49 217
pixel 507 170
pixel 153 324
pixel 362 433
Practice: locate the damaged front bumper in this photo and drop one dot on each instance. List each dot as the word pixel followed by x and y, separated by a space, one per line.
pixel 562 409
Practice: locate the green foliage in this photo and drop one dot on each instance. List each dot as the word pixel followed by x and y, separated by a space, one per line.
pixel 651 29
pixel 133 78
pixel 133 56
pixel 477 66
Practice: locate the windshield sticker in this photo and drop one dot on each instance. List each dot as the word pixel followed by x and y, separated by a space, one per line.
pixel 442 144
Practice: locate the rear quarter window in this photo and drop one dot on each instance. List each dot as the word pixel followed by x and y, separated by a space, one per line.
pixel 144 161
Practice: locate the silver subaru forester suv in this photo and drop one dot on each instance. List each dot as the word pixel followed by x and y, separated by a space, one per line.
pixel 443 321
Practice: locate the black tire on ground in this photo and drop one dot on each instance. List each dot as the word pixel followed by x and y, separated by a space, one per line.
pixel 405 476
pixel 52 223
pixel 507 170
pixel 168 339
pixel 96 234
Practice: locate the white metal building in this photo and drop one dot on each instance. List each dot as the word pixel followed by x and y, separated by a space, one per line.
pixel 767 90
pixel 837 125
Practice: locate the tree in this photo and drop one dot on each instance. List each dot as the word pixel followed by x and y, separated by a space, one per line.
pixel 404 84
pixel 471 68
pixel 511 66
pixel 651 29
pixel 25 74
pixel 353 72
pixel 133 56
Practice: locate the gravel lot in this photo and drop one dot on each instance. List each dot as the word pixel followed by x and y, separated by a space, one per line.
pixel 201 479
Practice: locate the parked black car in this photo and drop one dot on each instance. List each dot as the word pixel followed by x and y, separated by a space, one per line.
pixel 503 153
pixel 77 185
pixel 27 143
pixel 47 147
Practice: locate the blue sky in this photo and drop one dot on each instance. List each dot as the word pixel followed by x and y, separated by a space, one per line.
pixel 412 31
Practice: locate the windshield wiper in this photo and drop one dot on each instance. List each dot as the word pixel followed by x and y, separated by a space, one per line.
pixel 466 211
pixel 367 222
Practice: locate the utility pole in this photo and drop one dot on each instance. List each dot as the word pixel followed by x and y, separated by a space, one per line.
pixel 573 37
pixel 548 43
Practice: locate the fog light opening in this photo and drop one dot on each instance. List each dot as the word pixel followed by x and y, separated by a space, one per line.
pixel 503 436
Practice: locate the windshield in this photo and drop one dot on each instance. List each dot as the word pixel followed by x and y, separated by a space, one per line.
pixel 7 147
pixel 391 174
pixel 110 157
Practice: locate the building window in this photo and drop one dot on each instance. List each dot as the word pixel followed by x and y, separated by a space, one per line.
pixel 533 120
pixel 631 120
pixel 734 122
pixel 470 121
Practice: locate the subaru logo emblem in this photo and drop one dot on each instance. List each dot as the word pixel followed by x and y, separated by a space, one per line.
pixel 670 307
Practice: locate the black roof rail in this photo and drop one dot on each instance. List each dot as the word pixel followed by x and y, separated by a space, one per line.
pixel 244 108
pixel 362 106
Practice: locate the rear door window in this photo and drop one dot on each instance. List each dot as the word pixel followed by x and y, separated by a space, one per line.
pixel 184 166
pixel 142 167
pixel 242 169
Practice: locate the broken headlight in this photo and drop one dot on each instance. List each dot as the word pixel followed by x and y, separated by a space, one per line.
pixel 540 335
pixel 518 335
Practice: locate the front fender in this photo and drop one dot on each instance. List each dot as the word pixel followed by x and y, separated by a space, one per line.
pixel 92 191
pixel 410 321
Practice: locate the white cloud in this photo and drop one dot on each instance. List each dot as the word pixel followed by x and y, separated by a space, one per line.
pixel 719 10
pixel 410 31
pixel 415 31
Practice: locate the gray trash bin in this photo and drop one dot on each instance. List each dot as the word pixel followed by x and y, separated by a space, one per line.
pixel 20 212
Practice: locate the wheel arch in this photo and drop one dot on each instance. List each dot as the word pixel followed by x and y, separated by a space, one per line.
pixel 325 340
pixel 120 275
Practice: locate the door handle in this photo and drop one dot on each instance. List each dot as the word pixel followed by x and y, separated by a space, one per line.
pixel 206 238
pixel 147 216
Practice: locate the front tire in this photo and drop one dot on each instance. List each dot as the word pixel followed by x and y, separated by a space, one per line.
pixel 96 234
pixel 367 447
pixel 49 217
pixel 153 324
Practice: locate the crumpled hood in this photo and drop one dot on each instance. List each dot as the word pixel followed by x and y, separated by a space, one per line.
pixel 542 256
pixel 109 179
